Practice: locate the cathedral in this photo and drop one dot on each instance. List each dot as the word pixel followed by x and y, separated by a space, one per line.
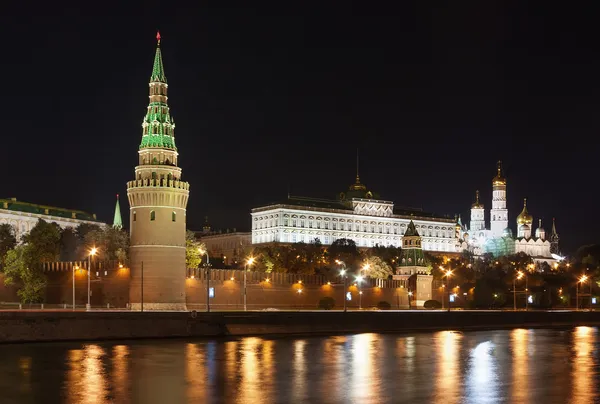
pixel 498 239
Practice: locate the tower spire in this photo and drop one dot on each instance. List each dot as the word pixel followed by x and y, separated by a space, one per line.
pixel 158 72
pixel 357 176
pixel 117 221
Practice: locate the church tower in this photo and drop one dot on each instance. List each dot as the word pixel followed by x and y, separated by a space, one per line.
pixel 157 200
pixel 414 268
pixel 554 239
pixel 477 215
pixel 498 213
pixel 524 222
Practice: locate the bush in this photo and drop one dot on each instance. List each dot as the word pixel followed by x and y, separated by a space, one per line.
pixel 432 304
pixel 383 305
pixel 327 303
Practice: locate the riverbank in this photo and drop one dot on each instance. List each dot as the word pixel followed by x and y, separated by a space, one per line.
pixel 93 326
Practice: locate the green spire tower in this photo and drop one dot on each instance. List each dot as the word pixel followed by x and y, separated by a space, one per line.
pixel 117 221
pixel 158 200
pixel 412 257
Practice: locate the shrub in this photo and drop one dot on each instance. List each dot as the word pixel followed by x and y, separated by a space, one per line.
pixel 327 303
pixel 432 304
pixel 383 305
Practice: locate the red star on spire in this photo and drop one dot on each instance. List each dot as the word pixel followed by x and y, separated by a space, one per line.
pixel 158 36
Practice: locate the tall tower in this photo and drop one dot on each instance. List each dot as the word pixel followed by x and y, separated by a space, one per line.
pixel 477 215
pixel 498 213
pixel 524 222
pixel 157 200
pixel 554 239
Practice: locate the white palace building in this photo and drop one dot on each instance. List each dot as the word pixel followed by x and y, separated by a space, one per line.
pixel 357 215
pixel 360 216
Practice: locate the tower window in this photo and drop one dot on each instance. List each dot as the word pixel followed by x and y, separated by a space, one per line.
pixel 152 215
pixel 134 216
pixel 173 216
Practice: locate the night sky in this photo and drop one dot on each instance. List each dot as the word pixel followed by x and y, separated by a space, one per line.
pixel 273 98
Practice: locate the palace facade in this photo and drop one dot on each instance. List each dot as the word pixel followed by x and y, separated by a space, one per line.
pixel 357 214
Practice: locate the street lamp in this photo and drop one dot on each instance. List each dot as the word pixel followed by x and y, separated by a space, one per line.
pixel 250 261
pixel 207 265
pixel 448 274
pixel 75 267
pixel 359 279
pixel 519 276
pixel 93 252
pixel 581 280
pixel 343 274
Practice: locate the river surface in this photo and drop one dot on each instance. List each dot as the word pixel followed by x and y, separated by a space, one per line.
pixel 511 366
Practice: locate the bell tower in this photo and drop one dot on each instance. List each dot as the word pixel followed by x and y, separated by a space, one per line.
pixel 498 213
pixel 157 199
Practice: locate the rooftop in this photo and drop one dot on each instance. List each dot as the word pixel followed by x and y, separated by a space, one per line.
pixel 26 207
pixel 316 203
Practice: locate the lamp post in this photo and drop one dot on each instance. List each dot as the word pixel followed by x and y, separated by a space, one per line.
pixel 207 265
pixel 250 261
pixel 519 276
pixel 359 279
pixel 581 280
pixel 448 274
pixel 343 274
pixel 443 295
pixel 75 267
pixel 93 252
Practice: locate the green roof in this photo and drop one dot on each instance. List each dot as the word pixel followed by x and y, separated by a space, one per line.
pixel 158 72
pixel 17 206
pixel 411 230
pixel 117 221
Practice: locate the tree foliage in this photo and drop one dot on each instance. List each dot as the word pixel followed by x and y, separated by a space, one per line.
pixel 378 268
pixel 8 241
pixel 193 250
pixel 22 269
pixel 345 250
pixel 112 243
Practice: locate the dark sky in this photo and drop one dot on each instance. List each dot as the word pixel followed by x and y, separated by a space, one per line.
pixel 273 97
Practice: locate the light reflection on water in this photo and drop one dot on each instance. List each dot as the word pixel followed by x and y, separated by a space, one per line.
pixel 512 366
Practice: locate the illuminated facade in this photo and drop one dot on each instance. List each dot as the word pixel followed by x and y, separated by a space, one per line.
pixel 23 216
pixel 357 215
pixel 498 239
pixel 158 199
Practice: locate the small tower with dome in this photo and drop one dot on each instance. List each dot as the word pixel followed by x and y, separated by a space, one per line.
pixel 413 267
pixel 524 222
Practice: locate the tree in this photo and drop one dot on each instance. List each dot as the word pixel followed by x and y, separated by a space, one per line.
pixel 8 241
pixel 193 250
pixel 345 250
pixel 378 268
pixel 23 269
pixel 112 243
pixel 69 244
pixel 44 240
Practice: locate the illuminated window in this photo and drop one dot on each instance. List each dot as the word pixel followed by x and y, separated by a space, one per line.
pixel 134 216
pixel 152 215
pixel 173 216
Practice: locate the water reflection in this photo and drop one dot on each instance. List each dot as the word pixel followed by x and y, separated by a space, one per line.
pixel 520 366
pixel 120 373
pixel 519 339
pixel 364 379
pixel 87 377
pixel 584 372
pixel 448 381
pixel 482 384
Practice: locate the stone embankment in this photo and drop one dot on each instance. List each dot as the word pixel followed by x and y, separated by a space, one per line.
pixel 22 326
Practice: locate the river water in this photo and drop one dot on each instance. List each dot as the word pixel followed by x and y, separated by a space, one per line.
pixel 512 366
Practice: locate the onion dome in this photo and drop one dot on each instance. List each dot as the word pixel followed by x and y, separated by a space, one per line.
pixel 524 217
pixel 540 232
pixel 499 179
pixel 524 230
pixel 507 232
pixel 477 204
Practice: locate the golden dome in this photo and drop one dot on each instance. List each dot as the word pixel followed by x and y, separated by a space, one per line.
pixel 499 179
pixel 357 186
pixel 524 217
pixel 477 204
